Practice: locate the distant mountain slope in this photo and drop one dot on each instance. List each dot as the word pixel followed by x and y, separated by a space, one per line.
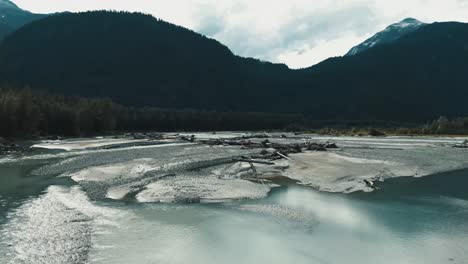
pixel 138 60
pixel 390 34
pixel 12 17
pixel 420 75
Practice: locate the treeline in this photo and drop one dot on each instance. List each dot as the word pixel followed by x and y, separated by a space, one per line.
pixel 24 113
pixel 441 126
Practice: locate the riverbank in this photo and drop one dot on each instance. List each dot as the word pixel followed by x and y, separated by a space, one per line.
pixel 416 220
pixel 331 164
pixel 124 199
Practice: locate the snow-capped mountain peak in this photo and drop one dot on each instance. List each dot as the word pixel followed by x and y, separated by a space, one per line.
pixel 389 34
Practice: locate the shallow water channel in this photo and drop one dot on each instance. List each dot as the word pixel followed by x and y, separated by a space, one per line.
pixel 66 207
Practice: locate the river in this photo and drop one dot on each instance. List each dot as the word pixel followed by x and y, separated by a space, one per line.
pixel 134 204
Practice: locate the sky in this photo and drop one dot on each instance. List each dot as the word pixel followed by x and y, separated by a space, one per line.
pixel 299 33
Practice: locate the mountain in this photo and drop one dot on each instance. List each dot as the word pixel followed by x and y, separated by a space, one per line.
pixel 12 17
pixel 420 75
pixel 390 34
pixel 138 60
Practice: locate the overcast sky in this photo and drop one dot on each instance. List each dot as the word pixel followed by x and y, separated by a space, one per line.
pixel 299 33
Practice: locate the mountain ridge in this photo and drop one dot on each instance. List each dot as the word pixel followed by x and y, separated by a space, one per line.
pixel 8 4
pixel 12 17
pixel 138 60
pixel 388 35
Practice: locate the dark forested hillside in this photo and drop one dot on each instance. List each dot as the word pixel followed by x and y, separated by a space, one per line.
pixel 419 77
pixel 134 59
pixel 138 60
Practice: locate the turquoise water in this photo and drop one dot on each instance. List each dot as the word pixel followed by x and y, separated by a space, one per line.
pixel 300 225
pixel 49 219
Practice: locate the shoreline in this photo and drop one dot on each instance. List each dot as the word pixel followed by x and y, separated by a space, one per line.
pixel 344 168
pixel 450 182
pixel 120 134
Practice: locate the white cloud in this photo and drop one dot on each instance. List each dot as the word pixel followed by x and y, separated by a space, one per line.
pixel 302 56
pixel 296 32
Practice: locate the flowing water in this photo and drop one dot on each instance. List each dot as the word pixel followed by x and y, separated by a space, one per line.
pixel 110 205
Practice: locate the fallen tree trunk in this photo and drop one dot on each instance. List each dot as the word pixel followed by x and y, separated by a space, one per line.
pixel 255 161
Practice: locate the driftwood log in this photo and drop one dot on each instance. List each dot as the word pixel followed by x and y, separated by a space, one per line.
pixel 270 150
pixel 464 144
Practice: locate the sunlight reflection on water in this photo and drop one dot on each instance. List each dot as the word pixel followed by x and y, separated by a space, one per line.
pixel 408 221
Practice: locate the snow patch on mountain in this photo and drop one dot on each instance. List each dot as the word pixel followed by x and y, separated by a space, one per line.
pixel 389 34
